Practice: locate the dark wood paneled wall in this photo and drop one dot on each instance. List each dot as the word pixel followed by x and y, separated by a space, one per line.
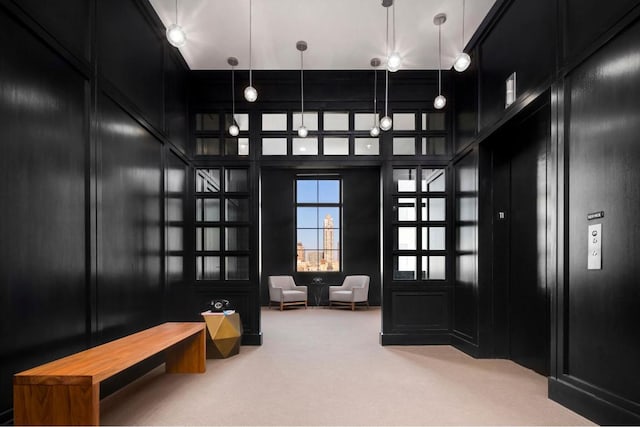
pixel 465 291
pixel 85 133
pixel 599 319
pixel 42 194
pixel 578 71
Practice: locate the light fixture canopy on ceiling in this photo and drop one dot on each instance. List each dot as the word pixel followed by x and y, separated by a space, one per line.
pixel 440 100
pixel 250 93
pixel 463 60
pixel 175 33
pixel 302 130
pixel 234 130
pixel 375 129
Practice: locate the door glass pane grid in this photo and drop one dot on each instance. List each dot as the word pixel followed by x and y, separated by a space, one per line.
pixel 433 209
pixel 404 180
pixel 419 239
pixel 406 209
pixel 236 180
pixel 433 238
pixel 404 267
pixel 433 267
pixel 207 210
pixel 222 239
pixel 433 180
pixel 208 181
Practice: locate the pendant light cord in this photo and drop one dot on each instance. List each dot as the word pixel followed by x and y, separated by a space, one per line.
pixel 375 96
pixel 394 24
pixel 439 59
pixel 176 12
pixel 250 39
pixel 302 84
pixel 233 94
pixel 463 2
pixel 386 74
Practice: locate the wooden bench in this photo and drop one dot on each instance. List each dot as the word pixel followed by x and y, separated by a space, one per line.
pixel 67 391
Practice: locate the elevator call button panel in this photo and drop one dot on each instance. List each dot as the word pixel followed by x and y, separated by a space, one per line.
pixel 594 257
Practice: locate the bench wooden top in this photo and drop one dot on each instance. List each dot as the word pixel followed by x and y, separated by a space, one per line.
pixel 98 363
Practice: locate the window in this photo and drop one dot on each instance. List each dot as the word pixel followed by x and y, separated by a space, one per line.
pixel 213 139
pixel 318 218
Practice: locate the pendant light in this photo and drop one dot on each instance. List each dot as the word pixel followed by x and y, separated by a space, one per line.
pixel 463 60
pixel 394 60
pixel 175 34
pixel 386 122
pixel 250 93
pixel 375 130
pixel 234 130
pixel 440 100
pixel 302 130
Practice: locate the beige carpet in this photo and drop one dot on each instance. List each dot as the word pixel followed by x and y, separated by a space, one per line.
pixel 326 367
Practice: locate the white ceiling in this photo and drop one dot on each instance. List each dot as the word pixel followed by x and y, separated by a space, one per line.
pixel 341 34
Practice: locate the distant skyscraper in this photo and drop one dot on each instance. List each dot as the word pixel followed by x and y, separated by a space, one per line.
pixel 327 246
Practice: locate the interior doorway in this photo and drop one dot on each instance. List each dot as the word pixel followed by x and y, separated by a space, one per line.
pixel 356 236
pixel 519 266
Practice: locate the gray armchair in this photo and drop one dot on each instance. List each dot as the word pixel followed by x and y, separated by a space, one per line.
pixel 354 290
pixel 283 291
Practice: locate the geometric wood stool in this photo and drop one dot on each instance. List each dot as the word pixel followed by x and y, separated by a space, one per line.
pixel 225 334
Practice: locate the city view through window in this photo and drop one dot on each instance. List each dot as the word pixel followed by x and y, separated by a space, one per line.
pixel 318 217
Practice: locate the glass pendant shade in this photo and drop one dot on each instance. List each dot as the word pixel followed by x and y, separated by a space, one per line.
pixel 250 94
pixel 302 132
pixel 385 123
pixel 234 130
pixel 375 131
pixel 393 62
pixel 176 35
pixel 462 62
pixel 439 102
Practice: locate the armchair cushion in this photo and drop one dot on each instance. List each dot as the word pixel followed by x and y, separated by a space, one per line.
pixel 353 289
pixel 284 289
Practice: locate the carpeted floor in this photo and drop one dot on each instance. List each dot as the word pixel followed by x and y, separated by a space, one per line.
pixel 326 367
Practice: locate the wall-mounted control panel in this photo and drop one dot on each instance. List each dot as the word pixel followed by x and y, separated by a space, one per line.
pixel 594 257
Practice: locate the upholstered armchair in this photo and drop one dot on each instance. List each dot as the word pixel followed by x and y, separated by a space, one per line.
pixel 284 291
pixel 354 290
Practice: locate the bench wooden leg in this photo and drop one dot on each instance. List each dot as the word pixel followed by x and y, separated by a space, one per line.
pixel 188 356
pixel 60 404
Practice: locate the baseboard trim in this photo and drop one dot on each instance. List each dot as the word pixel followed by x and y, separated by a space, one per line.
pixel 414 339
pixel 589 405
pixel 465 346
pixel 252 339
